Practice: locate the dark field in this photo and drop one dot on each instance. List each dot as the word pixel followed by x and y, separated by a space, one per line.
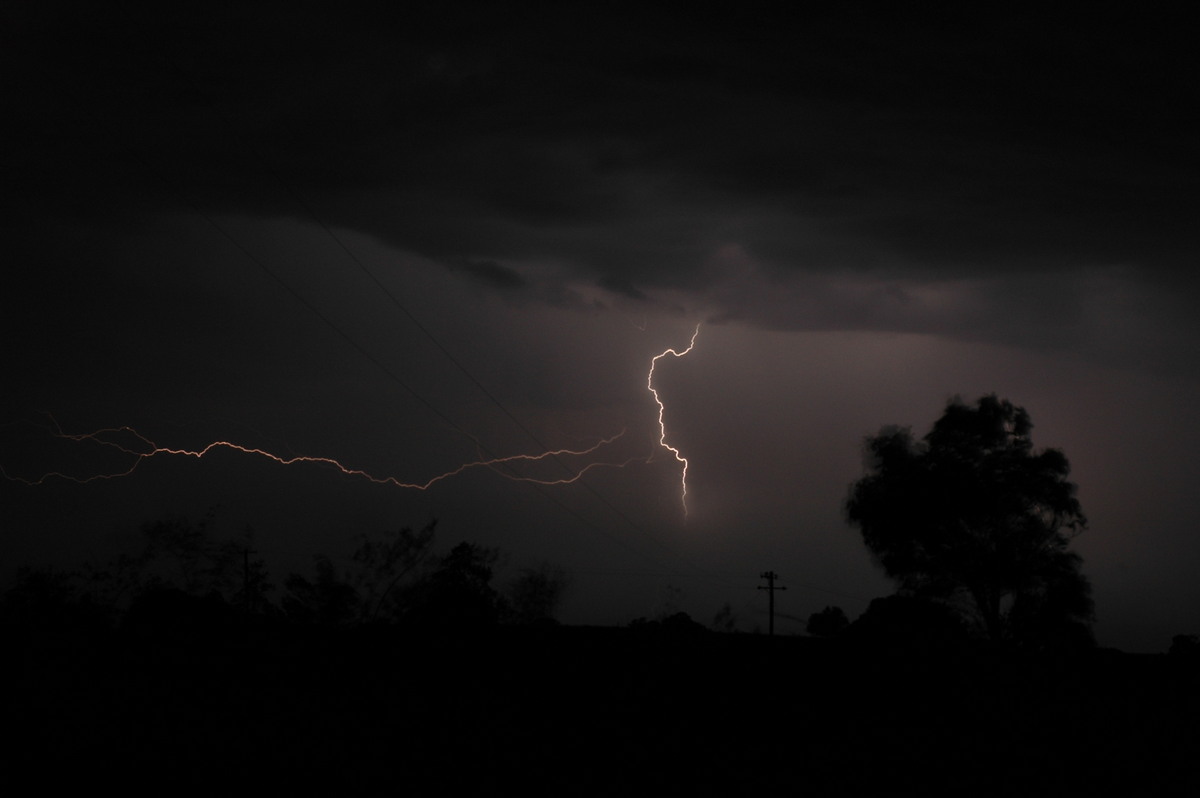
pixel 570 711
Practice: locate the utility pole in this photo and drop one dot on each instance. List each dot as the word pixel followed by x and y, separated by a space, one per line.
pixel 771 576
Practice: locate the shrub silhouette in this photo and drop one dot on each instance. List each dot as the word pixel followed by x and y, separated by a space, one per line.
pixel 827 623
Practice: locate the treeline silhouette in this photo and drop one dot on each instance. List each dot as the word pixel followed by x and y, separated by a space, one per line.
pixel 180 669
pixel 186 580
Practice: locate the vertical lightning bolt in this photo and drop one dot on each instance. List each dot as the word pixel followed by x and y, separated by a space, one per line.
pixel 662 427
pixel 131 444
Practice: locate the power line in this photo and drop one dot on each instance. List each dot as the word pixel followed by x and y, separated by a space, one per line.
pixel 308 209
pixel 233 241
pixel 187 201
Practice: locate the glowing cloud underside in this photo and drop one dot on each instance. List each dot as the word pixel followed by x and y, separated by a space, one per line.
pixel 662 427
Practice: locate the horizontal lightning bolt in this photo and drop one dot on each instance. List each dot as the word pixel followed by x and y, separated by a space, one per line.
pixel 662 427
pixel 141 448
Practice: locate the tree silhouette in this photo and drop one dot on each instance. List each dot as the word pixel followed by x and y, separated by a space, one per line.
pixel 535 593
pixel 49 601
pixel 971 515
pixel 369 591
pixel 725 620
pixel 457 595
pixel 326 600
pixel 192 558
pixel 381 565
pixel 1185 646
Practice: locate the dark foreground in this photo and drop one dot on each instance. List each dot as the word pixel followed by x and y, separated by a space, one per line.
pixel 576 711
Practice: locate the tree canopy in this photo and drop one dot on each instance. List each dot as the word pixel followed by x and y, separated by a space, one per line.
pixel 973 516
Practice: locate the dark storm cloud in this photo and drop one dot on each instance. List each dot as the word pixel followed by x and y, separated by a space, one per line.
pixel 901 150
pixel 490 273
pixel 623 287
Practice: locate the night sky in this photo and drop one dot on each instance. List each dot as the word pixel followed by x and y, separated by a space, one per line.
pixel 410 236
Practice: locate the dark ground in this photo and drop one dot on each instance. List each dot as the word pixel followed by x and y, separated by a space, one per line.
pixel 586 711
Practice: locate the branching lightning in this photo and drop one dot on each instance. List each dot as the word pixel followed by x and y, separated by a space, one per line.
pixel 662 427
pixel 137 446
pixel 134 448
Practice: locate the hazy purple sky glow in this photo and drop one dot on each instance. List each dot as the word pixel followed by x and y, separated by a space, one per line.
pixel 868 212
